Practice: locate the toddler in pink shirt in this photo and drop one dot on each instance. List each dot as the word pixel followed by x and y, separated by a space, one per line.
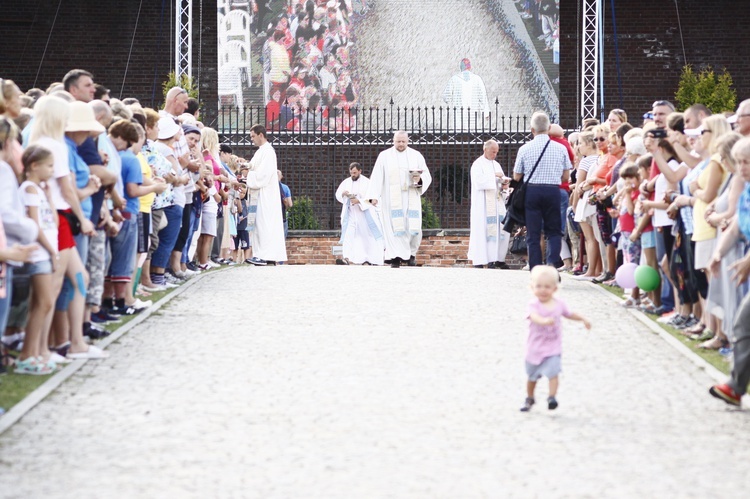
pixel 544 345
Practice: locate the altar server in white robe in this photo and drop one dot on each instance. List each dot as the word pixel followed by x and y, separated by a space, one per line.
pixel 398 181
pixel 265 222
pixel 361 235
pixel 488 242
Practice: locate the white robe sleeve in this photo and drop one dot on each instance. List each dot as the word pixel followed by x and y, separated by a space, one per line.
pixel 377 177
pixel 340 191
pixel 265 170
pixel 426 177
pixel 483 181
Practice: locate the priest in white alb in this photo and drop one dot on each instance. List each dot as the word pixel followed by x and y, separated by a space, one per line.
pixel 264 220
pixel 398 180
pixel 488 242
pixel 361 235
pixel 467 95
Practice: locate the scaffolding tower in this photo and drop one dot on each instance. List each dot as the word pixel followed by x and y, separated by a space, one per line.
pixel 183 38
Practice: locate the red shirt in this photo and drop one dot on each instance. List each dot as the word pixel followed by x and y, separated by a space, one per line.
pixel 564 142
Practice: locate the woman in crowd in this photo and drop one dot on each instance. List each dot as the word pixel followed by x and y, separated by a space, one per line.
pixel 617 117
pixel 51 115
pixel 722 300
pixel 10 99
pixel 171 220
pixel 210 148
pixel 17 232
pixel 704 190
pixel 585 211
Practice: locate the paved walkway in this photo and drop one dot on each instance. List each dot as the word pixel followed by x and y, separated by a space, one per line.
pixel 340 382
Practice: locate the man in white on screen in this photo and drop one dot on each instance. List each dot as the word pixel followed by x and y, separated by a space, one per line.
pixel 361 235
pixel 398 180
pixel 488 242
pixel 466 90
pixel 264 221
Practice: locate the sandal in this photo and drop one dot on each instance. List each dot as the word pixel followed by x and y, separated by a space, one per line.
pixel 631 303
pixel 706 335
pixel 697 329
pixel 33 366
pixel 714 343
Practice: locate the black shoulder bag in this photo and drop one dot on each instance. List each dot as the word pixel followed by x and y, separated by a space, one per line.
pixel 516 214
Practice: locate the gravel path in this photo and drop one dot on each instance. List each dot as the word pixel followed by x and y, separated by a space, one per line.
pixel 336 382
pixel 408 50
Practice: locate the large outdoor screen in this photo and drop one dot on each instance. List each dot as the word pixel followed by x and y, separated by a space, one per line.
pixel 492 57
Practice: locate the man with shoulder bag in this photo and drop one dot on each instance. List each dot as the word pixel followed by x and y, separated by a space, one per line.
pixel 542 165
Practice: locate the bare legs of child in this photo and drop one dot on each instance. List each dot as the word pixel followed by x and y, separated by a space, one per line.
pixel 551 400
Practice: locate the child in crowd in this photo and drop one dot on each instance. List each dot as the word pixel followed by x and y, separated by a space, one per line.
pixel 38 164
pixel 242 239
pixel 627 197
pixel 544 345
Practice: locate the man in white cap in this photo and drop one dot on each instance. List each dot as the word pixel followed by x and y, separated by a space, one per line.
pixel 398 181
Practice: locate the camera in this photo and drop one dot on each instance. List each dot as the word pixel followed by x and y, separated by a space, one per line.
pixel 658 133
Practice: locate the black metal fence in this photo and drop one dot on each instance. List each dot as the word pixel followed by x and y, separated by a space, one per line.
pixel 315 148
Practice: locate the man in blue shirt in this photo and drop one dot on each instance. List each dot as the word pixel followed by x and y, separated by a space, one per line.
pixel 286 201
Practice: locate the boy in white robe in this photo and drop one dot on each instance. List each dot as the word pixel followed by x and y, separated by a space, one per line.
pixel 361 236
pixel 265 222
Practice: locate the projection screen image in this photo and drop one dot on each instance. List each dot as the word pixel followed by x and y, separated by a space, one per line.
pixel 483 57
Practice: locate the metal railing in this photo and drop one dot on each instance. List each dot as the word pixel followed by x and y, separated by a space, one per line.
pixel 314 149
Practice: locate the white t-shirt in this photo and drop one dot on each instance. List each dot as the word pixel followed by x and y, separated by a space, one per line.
pixel 46 218
pixel 62 169
pixel 660 218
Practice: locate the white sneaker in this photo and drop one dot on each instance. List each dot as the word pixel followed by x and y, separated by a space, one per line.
pixel 169 285
pixel 140 305
pixel 189 273
pixel 153 288
pixel 213 265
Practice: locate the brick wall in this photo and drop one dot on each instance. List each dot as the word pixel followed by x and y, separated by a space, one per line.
pixel 438 249
pixel 96 35
pixel 650 50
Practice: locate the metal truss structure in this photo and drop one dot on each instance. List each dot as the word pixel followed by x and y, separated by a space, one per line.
pixel 590 51
pixel 183 38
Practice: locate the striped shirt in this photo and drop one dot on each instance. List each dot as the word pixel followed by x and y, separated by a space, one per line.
pixel 552 165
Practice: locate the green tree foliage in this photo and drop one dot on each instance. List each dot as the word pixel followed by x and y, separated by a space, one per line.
pixel 429 219
pixel 184 81
pixel 301 215
pixel 707 88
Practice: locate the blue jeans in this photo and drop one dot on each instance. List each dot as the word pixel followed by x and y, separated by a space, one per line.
pixel 5 302
pixel 195 223
pixel 167 236
pixel 542 216
pixel 667 297
pixel 555 259
pixel 123 248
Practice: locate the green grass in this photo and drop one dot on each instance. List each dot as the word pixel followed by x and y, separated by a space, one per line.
pixel 711 356
pixel 15 387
